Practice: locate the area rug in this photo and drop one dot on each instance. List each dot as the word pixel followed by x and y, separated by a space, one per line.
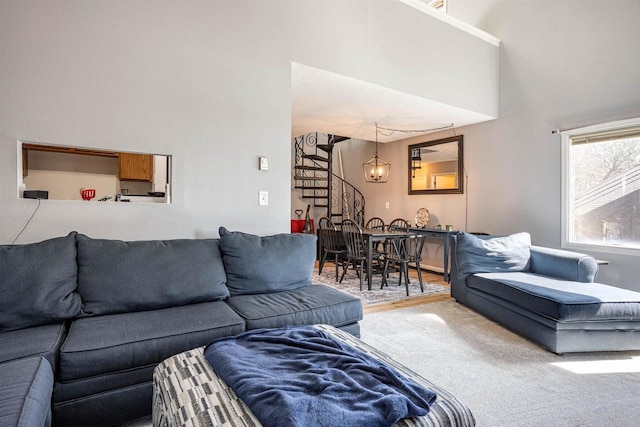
pixel 393 292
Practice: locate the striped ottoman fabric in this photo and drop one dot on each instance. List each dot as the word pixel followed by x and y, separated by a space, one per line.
pixel 188 393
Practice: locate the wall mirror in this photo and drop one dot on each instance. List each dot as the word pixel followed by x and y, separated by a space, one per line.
pixel 76 173
pixel 436 167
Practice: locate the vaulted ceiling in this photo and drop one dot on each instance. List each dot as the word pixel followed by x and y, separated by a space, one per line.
pixel 326 102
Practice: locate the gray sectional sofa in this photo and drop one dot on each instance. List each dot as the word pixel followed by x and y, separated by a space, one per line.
pixel 543 294
pixel 83 322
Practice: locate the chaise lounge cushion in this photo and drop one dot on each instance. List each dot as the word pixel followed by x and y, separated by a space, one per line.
pixel 38 283
pixel 509 253
pixel 25 395
pixel 114 343
pixel 256 265
pixel 316 304
pixel 118 277
pixel 44 341
pixel 559 299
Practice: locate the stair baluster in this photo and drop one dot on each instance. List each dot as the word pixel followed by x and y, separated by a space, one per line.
pixel 313 173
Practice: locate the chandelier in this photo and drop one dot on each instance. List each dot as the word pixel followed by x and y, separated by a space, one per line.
pixel 376 170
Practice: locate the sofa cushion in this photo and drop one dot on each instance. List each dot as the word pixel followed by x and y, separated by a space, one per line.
pixel 476 255
pixel 113 343
pixel 316 304
pixel 25 395
pixel 38 283
pixel 122 406
pixel 559 299
pixel 83 388
pixel 118 277
pixel 44 341
pixel 267 264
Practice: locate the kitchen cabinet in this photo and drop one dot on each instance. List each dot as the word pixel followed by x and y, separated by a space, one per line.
pixel 25 162
pixel 135 167
pixel 26 147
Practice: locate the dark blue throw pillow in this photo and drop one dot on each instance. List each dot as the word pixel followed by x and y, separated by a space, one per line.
pixel 38 283
pixel 115 276
pixel 260 265
pixel 498 254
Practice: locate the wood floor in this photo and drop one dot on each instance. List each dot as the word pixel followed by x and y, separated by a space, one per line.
pixel 427 299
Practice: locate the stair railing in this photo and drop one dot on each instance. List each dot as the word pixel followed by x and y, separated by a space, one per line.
pixel 348 200
pixel 343 200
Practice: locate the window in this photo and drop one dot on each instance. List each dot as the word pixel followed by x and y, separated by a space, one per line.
pixel 601 191
pixel 76 173
pixel 437 4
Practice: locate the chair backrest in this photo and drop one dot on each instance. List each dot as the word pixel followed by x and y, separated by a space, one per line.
pixel 399 224
pixel 375 223
pixel 325 223
pixel 399 246
pixel 331 240
pixel 353 238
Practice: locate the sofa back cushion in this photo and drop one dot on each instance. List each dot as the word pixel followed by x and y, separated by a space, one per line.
pixel 116 276
pixel 258 265
pixel 38 283
pixel 491 255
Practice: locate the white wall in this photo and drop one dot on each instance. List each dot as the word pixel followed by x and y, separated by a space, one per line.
pixel 562 64
pixel 208 82
pixel 200 80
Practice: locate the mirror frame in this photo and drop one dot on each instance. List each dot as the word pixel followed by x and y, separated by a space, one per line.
pixel 457 190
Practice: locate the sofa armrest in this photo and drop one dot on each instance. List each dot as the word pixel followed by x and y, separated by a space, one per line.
pixel 561 264
pixel 458 285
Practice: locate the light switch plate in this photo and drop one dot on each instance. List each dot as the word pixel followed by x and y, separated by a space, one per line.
pixel 264 163
pixel 264 198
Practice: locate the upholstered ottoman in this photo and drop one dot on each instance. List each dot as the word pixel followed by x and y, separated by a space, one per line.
pixel 187 392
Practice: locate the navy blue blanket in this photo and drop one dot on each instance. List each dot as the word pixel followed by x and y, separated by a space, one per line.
pixel 301 376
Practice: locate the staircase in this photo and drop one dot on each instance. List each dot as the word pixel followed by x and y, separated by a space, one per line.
pixel 313 174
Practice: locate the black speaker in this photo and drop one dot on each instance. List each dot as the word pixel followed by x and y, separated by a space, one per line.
pixel 35 194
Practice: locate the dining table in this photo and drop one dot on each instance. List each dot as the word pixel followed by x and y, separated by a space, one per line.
pixel 372 236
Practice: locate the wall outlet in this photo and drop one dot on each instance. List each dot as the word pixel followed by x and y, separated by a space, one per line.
pixel 264 198
pixel 386 205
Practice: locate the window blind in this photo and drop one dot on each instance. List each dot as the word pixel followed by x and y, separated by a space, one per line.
pixel 604 136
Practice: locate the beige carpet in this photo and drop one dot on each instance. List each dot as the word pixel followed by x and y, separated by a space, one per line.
pixel 506 380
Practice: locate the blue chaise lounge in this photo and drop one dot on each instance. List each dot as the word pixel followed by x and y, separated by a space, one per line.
pixel 546 295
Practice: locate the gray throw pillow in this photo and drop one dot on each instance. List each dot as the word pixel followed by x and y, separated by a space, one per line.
pixel 498 254
pixel 260 265
pixel 38 283
pixel 116 276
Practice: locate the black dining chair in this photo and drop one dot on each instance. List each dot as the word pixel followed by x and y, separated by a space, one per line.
pixel 414 253
pixel 375 223
pixel 397 253
pixel 331 244
pixel 399 224
pixel 325 223
pixel 357 250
